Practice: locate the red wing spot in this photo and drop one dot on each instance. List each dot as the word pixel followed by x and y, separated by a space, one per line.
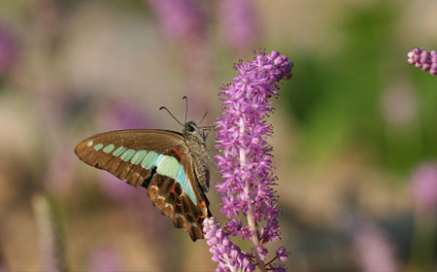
pixel 190 214
pixel 172 189
pixel 179 204
pixel 202 204
pixel 200 216
pixel 177 152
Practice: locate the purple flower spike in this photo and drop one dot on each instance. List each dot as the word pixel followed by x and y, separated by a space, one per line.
pixel 246 164
pixel 422 58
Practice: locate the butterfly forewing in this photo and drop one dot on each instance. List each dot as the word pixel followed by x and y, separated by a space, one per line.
pixel 160 161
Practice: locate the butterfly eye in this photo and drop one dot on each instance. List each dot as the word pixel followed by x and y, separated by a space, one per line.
pixel 191 128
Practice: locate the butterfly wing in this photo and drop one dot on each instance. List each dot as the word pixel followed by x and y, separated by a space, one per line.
pixel 160 161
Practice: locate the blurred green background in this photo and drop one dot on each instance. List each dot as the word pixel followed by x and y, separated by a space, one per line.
pixel 355 128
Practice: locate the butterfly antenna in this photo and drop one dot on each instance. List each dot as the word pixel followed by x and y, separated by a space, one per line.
pixel 201 120
pixel 165 108
pixel 186 107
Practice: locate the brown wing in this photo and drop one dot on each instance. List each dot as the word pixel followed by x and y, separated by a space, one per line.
pixel 159 160
pixel 111 151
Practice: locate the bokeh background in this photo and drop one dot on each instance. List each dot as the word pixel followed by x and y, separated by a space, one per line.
pixel 355 128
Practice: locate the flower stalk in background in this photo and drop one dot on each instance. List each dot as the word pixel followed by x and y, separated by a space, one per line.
pixel 49 234
pixel 422 58
pixel 246 167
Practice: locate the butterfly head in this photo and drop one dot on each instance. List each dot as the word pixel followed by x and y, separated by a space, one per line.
pixel 191 127
pixel 193 132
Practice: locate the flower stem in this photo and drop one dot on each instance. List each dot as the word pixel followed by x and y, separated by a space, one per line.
pixel 250 220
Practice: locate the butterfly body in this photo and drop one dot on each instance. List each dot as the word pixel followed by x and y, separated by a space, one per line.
pixel 172 167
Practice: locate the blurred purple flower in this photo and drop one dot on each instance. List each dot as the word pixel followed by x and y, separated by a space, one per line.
pixel 105 260
pixel 373 249
pixel 8 50
pixel 246 166
pixel 185 23
pixel 181 19
pixel 422 58
pixel 239 23
pixel 425 186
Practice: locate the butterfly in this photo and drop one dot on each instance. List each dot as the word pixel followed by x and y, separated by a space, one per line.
pixel 172 167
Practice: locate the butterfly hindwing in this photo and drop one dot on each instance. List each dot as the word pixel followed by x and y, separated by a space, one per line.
pixel 160 161
pixel 185 202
